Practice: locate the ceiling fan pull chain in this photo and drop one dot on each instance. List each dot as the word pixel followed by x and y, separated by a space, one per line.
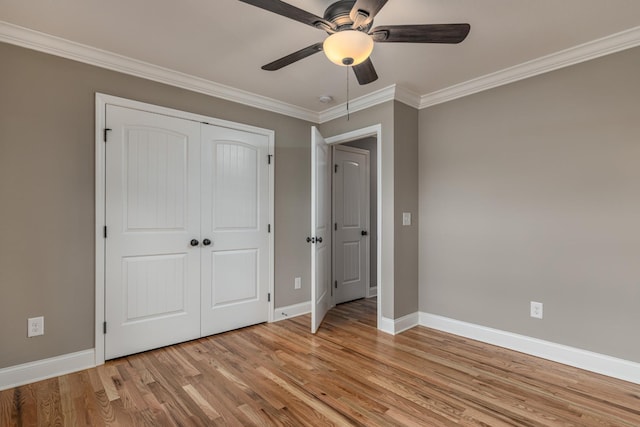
pixel 348 67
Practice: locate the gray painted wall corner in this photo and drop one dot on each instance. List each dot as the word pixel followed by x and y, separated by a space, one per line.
pixel 406 200
pixel 529 192
pixel 47 192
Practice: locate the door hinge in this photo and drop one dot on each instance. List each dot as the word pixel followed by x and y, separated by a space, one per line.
pixel 335 168
pixel 104 231
pixel 269 297
pixel 269 156
pixel 268 228
pixel 336 284
pixel 105 133
pixel 335 226
pixel 104 327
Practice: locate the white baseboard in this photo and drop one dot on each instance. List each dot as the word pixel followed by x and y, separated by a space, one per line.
pixel 396 326
pixel 31 372
pixel 583 359
pixel 291 311
pixel 406 322
pixel 372 292
pixel 386 325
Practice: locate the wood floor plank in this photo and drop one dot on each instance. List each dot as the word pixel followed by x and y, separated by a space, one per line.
pixel 8 407
pixel 201 402
pixel 348 374
pixel 49 406
pixel 27 404
pixel 68 396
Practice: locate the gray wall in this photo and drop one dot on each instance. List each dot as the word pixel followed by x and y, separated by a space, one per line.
pixel 531 192
pixel 406 200
pixel 398 287
pixel 47 195
pixel 370 145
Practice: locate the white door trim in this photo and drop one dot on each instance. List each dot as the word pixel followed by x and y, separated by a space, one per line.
pixel 374 131
pixel 101 102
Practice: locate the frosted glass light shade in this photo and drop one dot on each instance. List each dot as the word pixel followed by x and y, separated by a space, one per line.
pixel 348 47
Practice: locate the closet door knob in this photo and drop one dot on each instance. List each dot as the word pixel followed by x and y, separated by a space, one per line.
pixel 194 242
pixel 206 242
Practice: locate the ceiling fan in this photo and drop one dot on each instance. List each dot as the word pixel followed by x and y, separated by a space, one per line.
pixel 351 38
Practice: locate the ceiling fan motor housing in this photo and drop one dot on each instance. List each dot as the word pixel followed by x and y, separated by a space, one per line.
pixel 339 13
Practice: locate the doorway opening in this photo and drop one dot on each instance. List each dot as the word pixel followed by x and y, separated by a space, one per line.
pixel 354 218
pixel 321 277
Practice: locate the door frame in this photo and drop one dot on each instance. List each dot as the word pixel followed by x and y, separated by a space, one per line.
pixel 367 278
pixel 101 101
pixel 371 131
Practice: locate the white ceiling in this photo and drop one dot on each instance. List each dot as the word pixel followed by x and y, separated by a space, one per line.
pixel 227 41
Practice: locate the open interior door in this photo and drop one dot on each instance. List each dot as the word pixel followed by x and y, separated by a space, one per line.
pixel 320 237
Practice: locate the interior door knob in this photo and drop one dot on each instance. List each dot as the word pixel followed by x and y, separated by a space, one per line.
pixel 311 239
pixel 319 239
pixel 206 242
pixel 194 242
pixel 364 232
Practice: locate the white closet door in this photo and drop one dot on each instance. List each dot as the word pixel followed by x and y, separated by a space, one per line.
pixel 235 202
pixel 152 293
pixel 320 229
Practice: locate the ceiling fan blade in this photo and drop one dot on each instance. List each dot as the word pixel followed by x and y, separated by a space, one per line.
pixel 430 33
pixel 292 12
pixel 295 56
pixel 364 11
pixel 365 72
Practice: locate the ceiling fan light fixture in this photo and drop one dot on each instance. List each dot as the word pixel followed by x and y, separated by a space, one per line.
pixel 348 47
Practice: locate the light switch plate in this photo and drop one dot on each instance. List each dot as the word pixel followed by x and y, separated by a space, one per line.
pixel 406 218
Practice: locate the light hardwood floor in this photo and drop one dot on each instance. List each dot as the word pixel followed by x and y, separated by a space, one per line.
pixel 348 374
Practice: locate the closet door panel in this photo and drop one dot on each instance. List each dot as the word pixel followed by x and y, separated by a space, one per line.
pixel 235 191
pixel 152 292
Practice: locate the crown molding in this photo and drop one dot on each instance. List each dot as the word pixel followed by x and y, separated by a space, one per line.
pixel 591 50
pixel 389 93
pixel 408 97
pixel 35 40
pixel 362 103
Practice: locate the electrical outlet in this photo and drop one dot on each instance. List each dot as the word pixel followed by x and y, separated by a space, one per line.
pixel 35 326
pixel 297 283
pixel 536 309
